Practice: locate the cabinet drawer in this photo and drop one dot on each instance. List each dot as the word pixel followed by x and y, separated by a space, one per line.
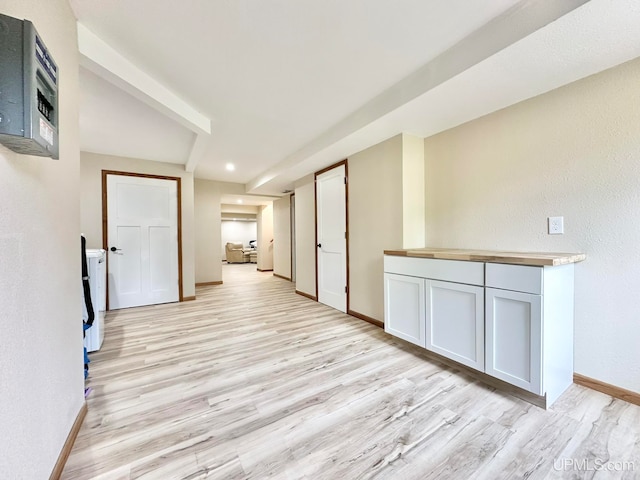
pixel 459 271
pixel 518 278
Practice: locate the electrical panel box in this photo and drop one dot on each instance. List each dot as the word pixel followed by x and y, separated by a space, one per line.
pixel 28 91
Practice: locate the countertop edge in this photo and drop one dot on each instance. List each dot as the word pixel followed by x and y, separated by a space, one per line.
pixel 537 259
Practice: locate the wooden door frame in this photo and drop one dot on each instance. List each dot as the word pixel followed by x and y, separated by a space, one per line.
pixel 292 234
pixel 105 223
pixel 346 208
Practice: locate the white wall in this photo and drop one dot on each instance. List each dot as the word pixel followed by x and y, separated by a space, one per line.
pixel 237 232
pixel 41 362
pixel 208 228
pixel 265 238
pixel 91 166
pixel 305 236
pixel 282 237
pixel 574 152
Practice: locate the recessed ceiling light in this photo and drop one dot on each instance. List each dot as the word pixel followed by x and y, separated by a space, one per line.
pixel 231 167
pixel 239 200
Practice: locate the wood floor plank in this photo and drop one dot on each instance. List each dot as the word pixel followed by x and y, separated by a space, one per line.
pixel 251 381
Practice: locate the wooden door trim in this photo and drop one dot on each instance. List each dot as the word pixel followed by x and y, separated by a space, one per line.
pixel 331 167
pixel 315 225
pixel 292 215
pixel 346 207
pixel 105 236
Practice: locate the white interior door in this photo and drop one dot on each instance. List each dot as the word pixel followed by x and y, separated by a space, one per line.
pixel 332 241
pixel 142 235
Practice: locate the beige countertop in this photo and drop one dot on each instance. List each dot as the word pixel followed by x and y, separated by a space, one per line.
pixel 516 258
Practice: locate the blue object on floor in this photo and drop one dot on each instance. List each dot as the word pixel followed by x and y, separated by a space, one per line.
pixel 87 300
pixel 86 327
pixel 86 363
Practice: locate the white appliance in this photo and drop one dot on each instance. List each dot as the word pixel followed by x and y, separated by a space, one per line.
pixel 96 262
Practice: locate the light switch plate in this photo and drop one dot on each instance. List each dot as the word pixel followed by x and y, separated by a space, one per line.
pixel 556 225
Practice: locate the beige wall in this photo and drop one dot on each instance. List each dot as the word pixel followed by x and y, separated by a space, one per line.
pixel 375 221
pixel 236 208
pixel 305 236
pixel 91 166
pixel 573 152
pixel 208 228
pixel 282 237
pixel 265 237
pixel 413 208
pixel 41 363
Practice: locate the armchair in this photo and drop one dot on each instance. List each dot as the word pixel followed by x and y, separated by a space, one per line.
pixel 234 253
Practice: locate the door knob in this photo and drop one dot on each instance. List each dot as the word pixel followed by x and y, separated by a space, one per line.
pixel 319 245
pixel 116 250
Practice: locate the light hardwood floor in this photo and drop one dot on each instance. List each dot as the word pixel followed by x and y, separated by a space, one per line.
pixel 254 381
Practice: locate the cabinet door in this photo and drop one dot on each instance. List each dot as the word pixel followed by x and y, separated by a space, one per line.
pixel 455 322
pixel 404 311
pixel 514 338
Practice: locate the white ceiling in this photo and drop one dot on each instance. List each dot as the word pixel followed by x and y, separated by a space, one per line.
pixel 294 85
pixel 115 123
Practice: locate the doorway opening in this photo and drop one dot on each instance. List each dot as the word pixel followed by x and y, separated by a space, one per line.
pixel 246 231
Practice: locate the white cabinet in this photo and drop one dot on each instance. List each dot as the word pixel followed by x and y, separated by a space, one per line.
pixel 514 338
pixel 513 322
pixel 404 307
pixel 455 322
pixel 452 321
pixel 529 327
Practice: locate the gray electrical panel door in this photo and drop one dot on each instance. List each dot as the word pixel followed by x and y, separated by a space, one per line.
pixel 28 91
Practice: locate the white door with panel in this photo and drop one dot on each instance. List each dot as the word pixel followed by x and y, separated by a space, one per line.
pixel 142 235
pixel 514 338
pixel 404 303
pixel 455 322
pixel 332 238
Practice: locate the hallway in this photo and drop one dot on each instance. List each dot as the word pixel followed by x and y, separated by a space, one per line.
pixel 253 381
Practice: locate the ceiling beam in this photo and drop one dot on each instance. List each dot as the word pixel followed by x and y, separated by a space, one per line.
pixel 520 21
pixel 198 150
pixel 103 60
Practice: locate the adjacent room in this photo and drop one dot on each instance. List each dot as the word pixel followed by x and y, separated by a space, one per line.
pixel 244 221
pixel 283 239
